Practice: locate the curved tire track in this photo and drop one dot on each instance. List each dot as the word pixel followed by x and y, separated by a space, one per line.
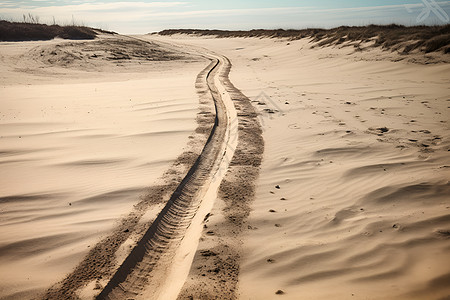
pixel 146 269
pixel 214 273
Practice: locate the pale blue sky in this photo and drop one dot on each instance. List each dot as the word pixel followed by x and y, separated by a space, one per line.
pixel 142 16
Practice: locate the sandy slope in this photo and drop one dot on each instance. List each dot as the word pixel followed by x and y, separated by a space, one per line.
pixel 81 140
pixel 353 196
pixel 352 199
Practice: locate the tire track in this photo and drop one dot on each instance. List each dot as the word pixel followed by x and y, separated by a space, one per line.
pixel 215 269
pixel 174 234
pixel 94 271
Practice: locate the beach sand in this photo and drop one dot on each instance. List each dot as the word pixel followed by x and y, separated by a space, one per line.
pixel 352 198
pixel 81 142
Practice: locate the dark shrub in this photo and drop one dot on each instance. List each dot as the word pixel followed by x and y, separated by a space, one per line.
pixel 389 37
pixel 14 31
pixel 437 42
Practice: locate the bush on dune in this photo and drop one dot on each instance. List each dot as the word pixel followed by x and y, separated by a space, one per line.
pixel 437 42
pixel 390 37
pixel 16 31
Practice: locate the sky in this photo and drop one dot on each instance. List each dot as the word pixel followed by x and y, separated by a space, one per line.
pixel 144 16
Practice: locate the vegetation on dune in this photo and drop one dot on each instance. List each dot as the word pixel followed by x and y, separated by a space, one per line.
pixel 27 31
pixel 390 37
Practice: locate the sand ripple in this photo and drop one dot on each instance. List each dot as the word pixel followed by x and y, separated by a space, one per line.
pixel 74 159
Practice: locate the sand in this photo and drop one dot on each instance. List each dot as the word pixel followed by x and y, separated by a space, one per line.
pixel 79 147
pixel 352 196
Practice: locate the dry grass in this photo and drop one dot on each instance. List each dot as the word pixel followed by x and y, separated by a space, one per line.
pixel 390 37
pixel 17 31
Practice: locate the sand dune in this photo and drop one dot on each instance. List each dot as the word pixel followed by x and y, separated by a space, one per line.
pixel 353 196
pixel 351 201
pixel 77 151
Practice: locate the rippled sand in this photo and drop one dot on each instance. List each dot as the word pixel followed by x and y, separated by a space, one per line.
pixel 78 149
pixel 353 196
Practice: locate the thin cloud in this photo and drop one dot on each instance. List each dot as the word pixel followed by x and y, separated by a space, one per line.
pixel 381 7
pixel 290 10
pixel 142 16
pixel 247 11
pixel 92 7
pixel 115 11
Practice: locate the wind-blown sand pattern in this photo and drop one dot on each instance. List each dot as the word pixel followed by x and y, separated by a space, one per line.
pixel 80 155
pixel 353 195
pixel 156 186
